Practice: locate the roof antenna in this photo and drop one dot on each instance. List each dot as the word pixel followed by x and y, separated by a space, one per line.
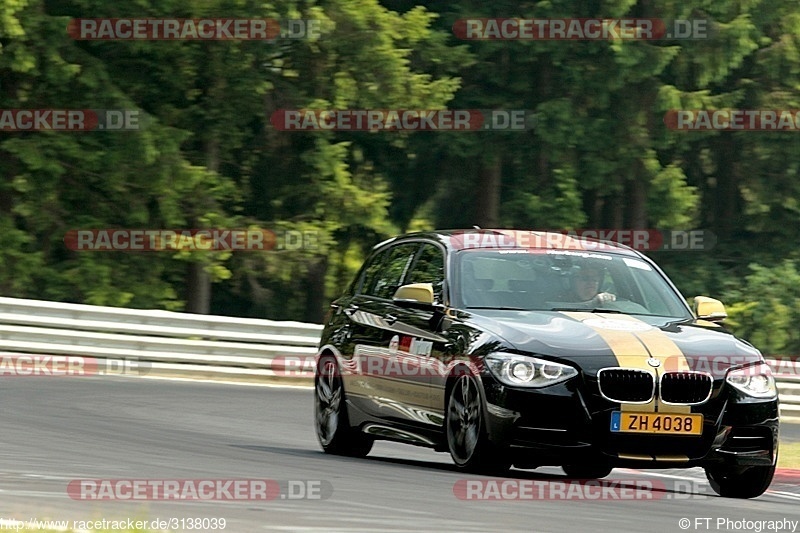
pixel 476 227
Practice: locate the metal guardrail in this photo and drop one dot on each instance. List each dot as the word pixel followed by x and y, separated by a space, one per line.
pixel 788 387
pixel 172 343
pixel 190 344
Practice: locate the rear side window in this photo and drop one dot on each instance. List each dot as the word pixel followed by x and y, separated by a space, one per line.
pixel 392 270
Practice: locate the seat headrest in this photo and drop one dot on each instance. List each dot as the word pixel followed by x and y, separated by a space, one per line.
pixel 484 284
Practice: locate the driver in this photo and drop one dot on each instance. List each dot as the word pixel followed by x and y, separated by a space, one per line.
pixel 586 286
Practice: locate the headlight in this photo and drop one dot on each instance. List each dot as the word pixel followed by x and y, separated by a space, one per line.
pixel 755 380
pixel 525 371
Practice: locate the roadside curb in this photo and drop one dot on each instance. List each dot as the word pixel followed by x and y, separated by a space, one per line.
pixel 787 475
pixel 245 376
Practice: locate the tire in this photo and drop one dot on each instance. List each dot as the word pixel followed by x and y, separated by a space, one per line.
pixel 465 430
pixel 330 414
pixel 740 482
pixel 597 471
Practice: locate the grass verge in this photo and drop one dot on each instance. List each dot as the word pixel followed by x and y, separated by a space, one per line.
pixel 789 455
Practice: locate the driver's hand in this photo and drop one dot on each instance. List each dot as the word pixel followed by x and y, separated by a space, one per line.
pixel 604 298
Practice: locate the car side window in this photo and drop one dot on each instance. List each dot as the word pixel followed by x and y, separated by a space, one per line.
pixel 371 273
pixel 429 268
pixel 393 270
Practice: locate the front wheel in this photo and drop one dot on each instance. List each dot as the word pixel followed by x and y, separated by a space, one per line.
pixel 467 441
pixel 330 410
pixel 740 482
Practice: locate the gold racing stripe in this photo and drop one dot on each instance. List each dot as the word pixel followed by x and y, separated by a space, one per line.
pixel 665 350
pixel 627 349
pixel 672 458
pixel 635 456
pixel 659 458
pixel 633 348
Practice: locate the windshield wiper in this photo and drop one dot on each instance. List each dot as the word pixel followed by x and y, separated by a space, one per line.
pixel 501 308
pixel 589 310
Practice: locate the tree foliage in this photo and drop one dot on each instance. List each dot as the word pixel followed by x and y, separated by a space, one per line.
pixel 599 155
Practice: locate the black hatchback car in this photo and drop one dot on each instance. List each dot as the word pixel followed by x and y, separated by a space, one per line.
pixel 505 347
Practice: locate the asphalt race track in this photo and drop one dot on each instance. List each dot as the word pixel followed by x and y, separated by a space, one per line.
pixel 60 429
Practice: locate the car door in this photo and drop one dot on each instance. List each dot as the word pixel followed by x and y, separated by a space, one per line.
pixel 418 346
pixel 370 373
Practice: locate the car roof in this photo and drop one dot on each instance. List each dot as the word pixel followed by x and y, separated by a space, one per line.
pixel 488 239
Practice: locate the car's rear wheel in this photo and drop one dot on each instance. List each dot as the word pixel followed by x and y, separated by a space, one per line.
pixel 740 482
pixel 330 410
pixel 597 471
pixel 467 440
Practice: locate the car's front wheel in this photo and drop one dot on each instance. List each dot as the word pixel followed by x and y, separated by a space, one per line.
pixel 330 410
pixel 740 482
pixel 467 440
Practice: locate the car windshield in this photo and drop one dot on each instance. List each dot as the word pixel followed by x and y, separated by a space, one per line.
pixel 562 280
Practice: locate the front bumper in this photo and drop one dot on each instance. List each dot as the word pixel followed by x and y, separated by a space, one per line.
pixel 570 423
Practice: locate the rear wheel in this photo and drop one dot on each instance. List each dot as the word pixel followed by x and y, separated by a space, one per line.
pixel 330 410
pixel 467 441
pixel 740 482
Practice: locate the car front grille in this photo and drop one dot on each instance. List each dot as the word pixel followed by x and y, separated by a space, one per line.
pixel 685 388
pixel 628 385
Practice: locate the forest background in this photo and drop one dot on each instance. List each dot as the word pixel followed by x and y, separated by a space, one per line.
pixel 599 156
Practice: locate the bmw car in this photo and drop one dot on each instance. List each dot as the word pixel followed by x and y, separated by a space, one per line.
pixel 520 348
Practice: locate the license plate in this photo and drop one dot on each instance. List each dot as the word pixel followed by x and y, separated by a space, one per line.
pixel 658 423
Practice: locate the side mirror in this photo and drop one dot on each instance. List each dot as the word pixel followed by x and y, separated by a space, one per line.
pixel 416 295
pixel 706 308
